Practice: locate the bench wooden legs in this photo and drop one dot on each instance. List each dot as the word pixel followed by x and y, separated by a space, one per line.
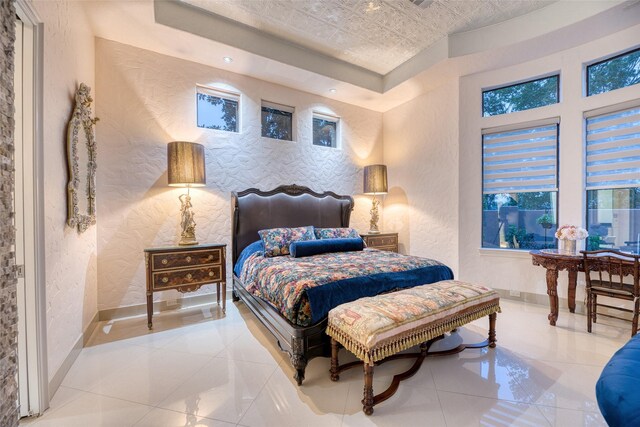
pixel 492 330
pixel 335 371
pixel 367 401
pixel 370 400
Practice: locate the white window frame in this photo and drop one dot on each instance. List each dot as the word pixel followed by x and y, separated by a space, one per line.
pixel 223 94
pixel 281 107
pixel 331 118
pixel 605 58
pixel 595 112
pixel 520 82
pixel 514 127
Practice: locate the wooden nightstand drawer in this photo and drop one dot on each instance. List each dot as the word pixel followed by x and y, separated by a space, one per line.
pixel 378 242
pixel 186 277
pixel 382 241
pixel 171 260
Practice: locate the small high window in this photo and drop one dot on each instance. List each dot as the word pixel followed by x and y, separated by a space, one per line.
pixel 277 121
pixel 521 96
pixel 614 73
pixel 217 109
pixel 325 130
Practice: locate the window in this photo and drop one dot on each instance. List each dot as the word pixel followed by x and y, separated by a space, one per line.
pixel 613 179
pixel 521 96
pixel 325 130
pixel 520 186
pixel 217 109
pixel 277 121
pixel 614 73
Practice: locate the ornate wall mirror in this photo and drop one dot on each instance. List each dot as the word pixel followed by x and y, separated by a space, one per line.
pixel 81 163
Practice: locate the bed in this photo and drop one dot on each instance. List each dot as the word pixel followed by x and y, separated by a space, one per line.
pixel 303 336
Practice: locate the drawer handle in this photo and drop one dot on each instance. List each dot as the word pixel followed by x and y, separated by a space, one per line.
pixel 188 259
pixel 165 279
pixel 189 276
pixel 211 274
pixel 210 257
pixel 165 261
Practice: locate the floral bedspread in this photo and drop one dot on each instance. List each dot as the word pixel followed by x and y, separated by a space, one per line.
pixel 284 281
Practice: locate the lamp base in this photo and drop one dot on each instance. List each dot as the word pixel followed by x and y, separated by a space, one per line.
pixel 373 223
pixel 187 242
pixel 188 225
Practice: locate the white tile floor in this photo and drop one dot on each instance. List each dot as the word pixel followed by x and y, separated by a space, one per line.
pixel 200 368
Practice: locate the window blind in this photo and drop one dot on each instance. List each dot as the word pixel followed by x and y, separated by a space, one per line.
pixel 613 149
pixel 520 160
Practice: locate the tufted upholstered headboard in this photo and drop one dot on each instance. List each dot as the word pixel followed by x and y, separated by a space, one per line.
pixel 285 206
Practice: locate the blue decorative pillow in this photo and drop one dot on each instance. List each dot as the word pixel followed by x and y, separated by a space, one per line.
pixel 277 240
pixel 336 233
pixel 315 247
pixel 256 246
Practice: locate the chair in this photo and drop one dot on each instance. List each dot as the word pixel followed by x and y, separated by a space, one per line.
pixel 610 268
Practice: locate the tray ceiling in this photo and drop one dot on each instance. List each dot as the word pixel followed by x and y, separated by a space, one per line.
pixel 377 35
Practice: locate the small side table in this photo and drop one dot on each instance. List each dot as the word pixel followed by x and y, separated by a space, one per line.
pixel 185 269
pixel 382 241
pixel 554 261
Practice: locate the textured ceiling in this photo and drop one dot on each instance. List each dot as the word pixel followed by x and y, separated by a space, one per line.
pixel 378 35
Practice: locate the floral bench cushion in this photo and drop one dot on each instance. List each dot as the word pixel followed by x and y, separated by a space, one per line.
pixel 377 327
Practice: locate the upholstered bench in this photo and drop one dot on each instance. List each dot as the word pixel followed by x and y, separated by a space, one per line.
pixel 375 329
pixel 617 388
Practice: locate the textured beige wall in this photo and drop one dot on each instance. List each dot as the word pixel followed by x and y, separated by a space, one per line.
pixel 432 146
pixel 70 258
pixel 144 101
pixel 421 152
pixel 512 270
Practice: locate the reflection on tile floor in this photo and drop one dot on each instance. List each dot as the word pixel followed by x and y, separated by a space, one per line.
pixel 199 367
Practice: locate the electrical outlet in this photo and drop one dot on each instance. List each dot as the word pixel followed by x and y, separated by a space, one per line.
pixel 514 293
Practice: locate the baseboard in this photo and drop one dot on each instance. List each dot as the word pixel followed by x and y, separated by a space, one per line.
pixel 158 306
pixel 93 324
pixel 68 362
pixel 540 299
pixel 581 308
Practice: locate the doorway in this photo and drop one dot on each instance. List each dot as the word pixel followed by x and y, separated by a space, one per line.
pixel 33 394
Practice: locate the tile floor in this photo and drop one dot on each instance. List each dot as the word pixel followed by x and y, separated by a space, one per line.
pixel 201 368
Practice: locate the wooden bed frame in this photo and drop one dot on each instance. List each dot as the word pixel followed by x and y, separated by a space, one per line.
pixel 285 206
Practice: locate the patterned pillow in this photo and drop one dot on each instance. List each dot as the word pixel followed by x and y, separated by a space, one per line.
pixel 277 240
pixel 336 233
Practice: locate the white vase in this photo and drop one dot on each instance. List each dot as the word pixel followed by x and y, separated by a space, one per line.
pixel 568 247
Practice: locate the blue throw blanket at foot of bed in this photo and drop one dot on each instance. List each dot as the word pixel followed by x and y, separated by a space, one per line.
pixel 323 298
pixel 618 388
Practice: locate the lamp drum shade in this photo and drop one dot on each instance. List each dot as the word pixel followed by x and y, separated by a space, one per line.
pixel 375 179
pixel 185 164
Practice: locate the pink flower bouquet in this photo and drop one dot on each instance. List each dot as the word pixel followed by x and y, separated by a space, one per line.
pixel 571 232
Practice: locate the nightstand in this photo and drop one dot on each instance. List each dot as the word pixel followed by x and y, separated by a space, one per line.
pixel 382 241
pixel 185 269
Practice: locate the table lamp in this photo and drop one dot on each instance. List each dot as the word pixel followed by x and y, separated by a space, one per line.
pixel 375 182
pixel 186 168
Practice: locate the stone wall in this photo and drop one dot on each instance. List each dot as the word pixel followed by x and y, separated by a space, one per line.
pixel 8 307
